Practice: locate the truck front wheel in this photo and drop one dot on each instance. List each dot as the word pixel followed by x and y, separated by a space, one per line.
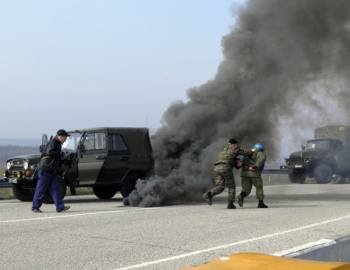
pixel 323 174
pixel 105 193
pixel 297 177
pixel 22 194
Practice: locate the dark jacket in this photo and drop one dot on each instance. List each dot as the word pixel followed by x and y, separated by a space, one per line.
pixel 51 158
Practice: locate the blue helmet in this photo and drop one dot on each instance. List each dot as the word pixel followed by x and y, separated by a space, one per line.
pixel 259 147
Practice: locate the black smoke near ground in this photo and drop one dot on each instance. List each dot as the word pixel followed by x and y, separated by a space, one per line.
pixel 273 58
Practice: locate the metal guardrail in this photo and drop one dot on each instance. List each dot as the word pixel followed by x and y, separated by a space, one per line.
pixel 275 171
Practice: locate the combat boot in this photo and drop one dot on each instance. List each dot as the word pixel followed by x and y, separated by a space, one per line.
pixel 262 205
pixel 208 196
pixel 231 205
pixel 240 199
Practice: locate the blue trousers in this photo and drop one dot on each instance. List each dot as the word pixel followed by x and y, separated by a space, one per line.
pixel 51 183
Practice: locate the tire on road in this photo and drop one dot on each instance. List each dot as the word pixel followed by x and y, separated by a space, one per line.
pixel 297 177
pixel 323 174
pixel 105 193
pixel 22 194
pixel 129 183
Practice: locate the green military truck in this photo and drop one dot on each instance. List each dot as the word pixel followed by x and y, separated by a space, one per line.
pixel 322 158
pixel 106 159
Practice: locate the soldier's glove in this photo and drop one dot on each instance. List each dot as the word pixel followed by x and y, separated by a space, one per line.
pixel 252 168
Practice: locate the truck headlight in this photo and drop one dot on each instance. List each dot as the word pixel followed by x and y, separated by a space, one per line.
pixel 8 165
pixel 308 161
pixel 25 165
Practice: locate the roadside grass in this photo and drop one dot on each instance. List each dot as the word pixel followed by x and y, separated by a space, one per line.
pixel 5 193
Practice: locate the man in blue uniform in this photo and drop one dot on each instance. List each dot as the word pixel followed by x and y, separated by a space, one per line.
pixel 49 179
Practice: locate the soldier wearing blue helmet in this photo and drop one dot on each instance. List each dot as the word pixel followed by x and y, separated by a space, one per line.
pixel 252 168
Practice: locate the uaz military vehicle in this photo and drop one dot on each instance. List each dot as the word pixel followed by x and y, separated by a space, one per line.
pixel 323 157
pixel 107 159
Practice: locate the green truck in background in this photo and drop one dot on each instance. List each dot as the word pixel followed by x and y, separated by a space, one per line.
pixel 323 158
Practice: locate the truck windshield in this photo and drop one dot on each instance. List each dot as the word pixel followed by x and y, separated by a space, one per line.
pixel 72 142
pixel 317 145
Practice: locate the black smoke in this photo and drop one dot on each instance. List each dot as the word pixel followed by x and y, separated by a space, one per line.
pixel 278 56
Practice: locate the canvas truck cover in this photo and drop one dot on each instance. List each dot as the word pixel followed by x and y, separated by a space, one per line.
pixel 341 133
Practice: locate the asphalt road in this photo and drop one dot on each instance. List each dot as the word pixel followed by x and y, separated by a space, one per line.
pixel 105 235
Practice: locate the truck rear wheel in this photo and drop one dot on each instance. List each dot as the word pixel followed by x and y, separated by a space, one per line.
pixel 105 193
pixel 22 194
pixel 323 174
pixel 297 177
pixel 129 183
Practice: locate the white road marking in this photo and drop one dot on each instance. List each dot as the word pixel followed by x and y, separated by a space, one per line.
pixel 296 250
pixel 61 216
pixel 255 239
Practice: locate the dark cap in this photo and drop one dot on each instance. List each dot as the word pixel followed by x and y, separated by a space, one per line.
pixel 62 132
pixel 233 141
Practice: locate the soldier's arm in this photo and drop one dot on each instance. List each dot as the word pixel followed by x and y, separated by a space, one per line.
pixel 259 161
pixel 243 152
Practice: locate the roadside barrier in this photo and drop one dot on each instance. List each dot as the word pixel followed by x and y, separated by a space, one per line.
pixel 256 261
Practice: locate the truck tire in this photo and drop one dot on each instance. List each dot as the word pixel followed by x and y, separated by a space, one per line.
pixel 297 177
pixel 105 193
pixel 49 200
pixel 129 183
pixel 22 194
pixel 323 174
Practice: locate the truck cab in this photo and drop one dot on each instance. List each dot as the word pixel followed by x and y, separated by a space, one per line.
pixel 322 157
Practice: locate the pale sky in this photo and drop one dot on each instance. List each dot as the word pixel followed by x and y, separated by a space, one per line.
pixel 78 63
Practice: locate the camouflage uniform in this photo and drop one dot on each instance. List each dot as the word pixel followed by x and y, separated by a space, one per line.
pixel 253 177
pixel 223 175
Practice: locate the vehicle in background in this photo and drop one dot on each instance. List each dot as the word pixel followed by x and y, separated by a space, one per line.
pixel 322 158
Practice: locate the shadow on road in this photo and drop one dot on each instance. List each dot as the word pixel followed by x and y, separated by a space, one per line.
pixel 91 200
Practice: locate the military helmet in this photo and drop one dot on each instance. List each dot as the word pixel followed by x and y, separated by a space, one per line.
pixel 259 146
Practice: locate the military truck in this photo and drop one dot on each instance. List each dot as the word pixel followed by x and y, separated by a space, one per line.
pixel 106 159
pixel 324 157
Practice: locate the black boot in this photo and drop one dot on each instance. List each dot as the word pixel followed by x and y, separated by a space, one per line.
pixel 262 205
pixel 240 199
pixel 208 196
pixel 231 205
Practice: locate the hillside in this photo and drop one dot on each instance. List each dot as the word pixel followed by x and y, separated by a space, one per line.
pixel 10 151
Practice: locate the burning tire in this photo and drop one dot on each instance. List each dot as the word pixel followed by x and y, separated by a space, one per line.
pixel 129 184
pixel 323 174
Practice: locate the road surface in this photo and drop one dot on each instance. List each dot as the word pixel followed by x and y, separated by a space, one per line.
pixel 105 235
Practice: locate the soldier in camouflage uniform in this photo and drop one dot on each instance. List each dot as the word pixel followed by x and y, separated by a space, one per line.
pixel 223 174
pixel 252 168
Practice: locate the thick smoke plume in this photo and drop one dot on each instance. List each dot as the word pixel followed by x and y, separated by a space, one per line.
pixel 285 68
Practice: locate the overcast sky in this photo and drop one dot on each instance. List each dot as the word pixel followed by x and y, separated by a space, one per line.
pixel 75 64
